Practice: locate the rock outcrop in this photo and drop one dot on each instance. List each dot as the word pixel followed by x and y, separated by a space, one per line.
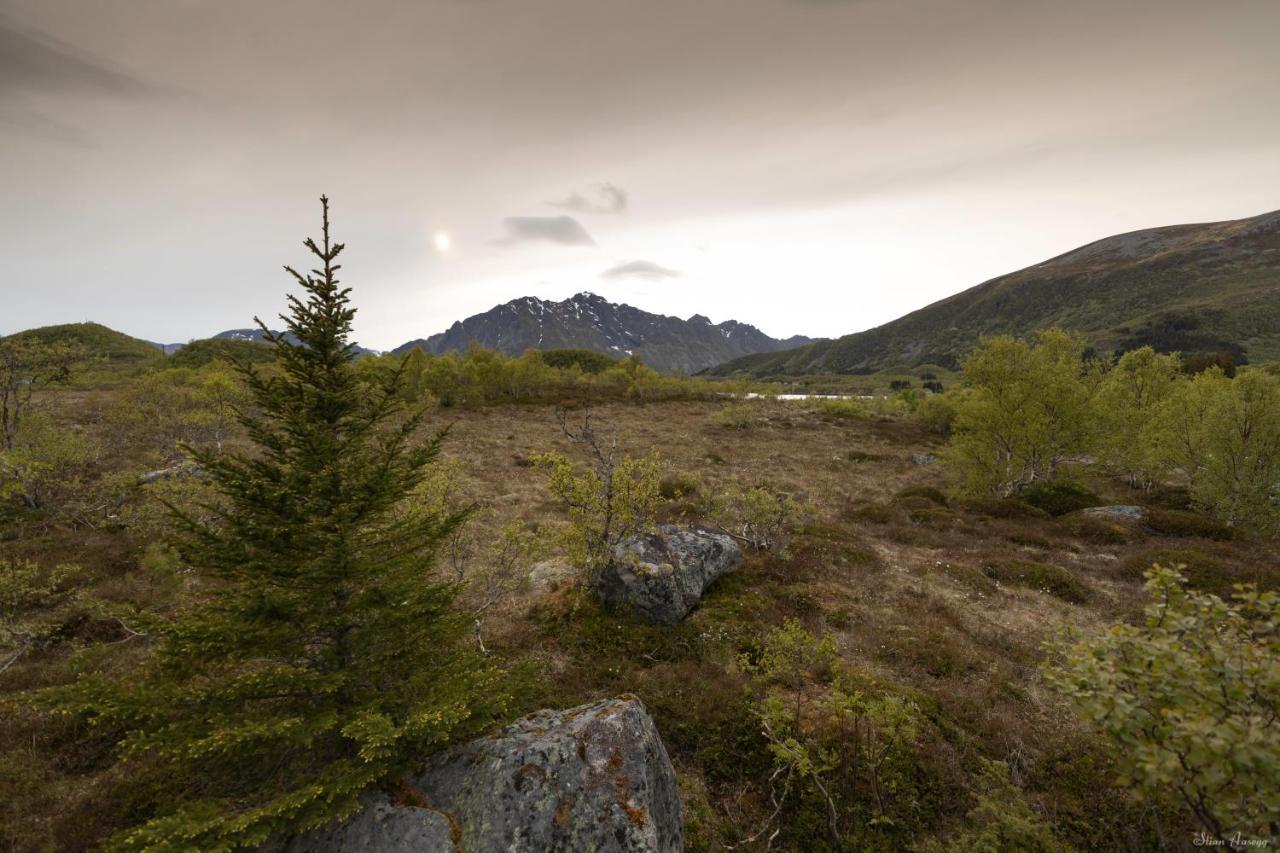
pixel 595 777
pixel 1117 512
pixel 660 576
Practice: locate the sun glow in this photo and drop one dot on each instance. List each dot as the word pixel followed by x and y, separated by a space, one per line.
pixel 443 241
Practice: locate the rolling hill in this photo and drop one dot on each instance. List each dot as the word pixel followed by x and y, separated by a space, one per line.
pixel 590 322
pixel 1210 287
pixel 96 341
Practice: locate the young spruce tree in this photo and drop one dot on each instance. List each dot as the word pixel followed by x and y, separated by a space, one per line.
pixel 320 657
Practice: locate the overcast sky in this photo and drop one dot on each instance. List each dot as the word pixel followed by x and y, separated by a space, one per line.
pixel 808 166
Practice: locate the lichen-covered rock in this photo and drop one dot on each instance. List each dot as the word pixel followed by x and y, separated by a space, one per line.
pixel 1117 512
pixel 595 777
pixel 660 576
pixel 923 458
pixel 381 826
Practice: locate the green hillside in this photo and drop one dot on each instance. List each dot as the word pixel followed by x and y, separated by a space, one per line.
pixel 96 340
pixel 1191 288
pixel 201 352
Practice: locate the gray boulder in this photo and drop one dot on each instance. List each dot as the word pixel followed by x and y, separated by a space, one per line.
pixel 660 576
pixel 381 826
pixel 595 777
pixel 923 458
pixel 1117 512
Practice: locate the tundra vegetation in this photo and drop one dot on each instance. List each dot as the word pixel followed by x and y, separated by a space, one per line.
pixel 233 595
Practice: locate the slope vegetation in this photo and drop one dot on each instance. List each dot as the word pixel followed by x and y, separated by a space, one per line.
pixel 1191 288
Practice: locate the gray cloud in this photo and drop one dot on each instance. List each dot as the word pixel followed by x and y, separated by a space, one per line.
pixel 640 269
pixel 564 230
pixel 31 62
pixel 606 198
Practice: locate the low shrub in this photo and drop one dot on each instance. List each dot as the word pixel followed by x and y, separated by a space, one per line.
pixel 1060 497
pixel 1173 522
pixel 1203 572
pixel 842 409
pixel 861 456
pixel 737 416
pixel 679 486
pixel 1100 531
pixel 929 493
pixel 1044 577
pixel 1001 508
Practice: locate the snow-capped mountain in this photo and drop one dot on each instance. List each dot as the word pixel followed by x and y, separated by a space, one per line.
pixel 588 321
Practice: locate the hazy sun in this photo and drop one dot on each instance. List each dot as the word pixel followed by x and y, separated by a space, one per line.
pixel 443 241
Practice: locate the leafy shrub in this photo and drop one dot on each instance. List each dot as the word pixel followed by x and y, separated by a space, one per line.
pixel 1023 411
pixel 1060 497
pixel 608 501
pixel 1187 701
pixel 842 409
pixel 1003 820
pixel 937 411
pixel 1044 577
pixel 1172 522
pixel 763 517
pixel 838 753
pixel 737 416
pixel 679 486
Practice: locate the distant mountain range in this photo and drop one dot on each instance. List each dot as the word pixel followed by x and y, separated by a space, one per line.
pixel 591 322
pixel 1211 287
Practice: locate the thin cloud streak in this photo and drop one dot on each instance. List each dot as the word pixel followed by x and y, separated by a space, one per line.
pixel 647 270
pixel 564 230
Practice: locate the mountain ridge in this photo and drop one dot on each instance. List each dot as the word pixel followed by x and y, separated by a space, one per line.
pixel 588 321
pixel 1203 287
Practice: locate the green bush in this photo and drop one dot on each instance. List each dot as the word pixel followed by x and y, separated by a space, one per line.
pixel 1001 508
pixel 1060 497
pixel 1172 522
pixel 1187 701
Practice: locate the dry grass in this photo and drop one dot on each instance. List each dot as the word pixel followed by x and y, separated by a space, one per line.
pixel 921 591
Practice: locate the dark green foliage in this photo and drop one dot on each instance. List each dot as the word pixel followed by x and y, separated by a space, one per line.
pixel 1183 332
pixel 583 359
pixel 1060 497
pixel 1044 577
pixel 1001 508
pixel 200 353
pixel 1199 362
pixel 319 657
pixel 1172 522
